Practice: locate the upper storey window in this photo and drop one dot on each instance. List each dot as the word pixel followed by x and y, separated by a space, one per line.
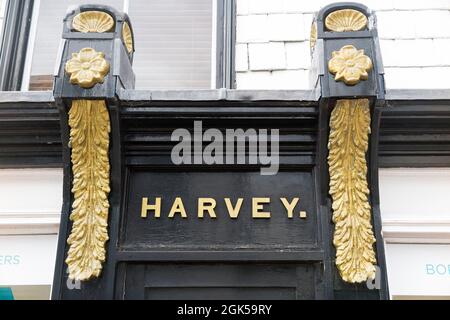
pixel 175 40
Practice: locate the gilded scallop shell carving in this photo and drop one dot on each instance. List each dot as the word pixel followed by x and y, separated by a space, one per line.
pixel 346 20
pixel 93 21
pixel 127 37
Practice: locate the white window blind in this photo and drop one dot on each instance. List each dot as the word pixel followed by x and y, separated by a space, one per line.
pixel 173 43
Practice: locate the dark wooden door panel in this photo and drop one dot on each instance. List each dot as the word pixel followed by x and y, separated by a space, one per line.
pixel 218 281
pixel 220 293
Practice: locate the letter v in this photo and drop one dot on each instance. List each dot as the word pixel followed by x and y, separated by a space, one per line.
pixel 234 212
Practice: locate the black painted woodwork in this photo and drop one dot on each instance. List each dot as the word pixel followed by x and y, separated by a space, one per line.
pixel 222 232
pixel 121 75
pixel 328 41
pixel 199 258
pixel 413 132
pixel 331 91
pixel 224 281
pixel 30 134
pixel 146 256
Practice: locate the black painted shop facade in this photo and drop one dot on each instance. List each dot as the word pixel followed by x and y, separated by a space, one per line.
pixel 178 257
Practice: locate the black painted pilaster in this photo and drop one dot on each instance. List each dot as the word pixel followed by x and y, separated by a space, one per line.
pixel 119 77
pixel 331 90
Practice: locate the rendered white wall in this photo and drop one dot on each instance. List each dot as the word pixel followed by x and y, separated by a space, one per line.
pixel 30 211
pixel 421 270
pixel 30 201
pixel 415 212
pixel 415 205
pixel 272 42
pixel 27 260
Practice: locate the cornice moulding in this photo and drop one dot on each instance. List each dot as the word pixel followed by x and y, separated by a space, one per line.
pixel 416 231
pixel 226 94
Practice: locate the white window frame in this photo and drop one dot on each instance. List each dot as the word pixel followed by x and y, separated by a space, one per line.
pixel 30 47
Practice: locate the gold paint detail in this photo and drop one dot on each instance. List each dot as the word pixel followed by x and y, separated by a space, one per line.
pixel 87 68
pixel 234 211
pixel 353 235
pixel 258 207
pixel 147 207
pixel 178 208
pixel 127 37
pixel 313 35
pixel 303 215
pixel 346 20
pixel 206 204
pixel 289 206
pixel 89 139
pixel 350 65
pixel 93 21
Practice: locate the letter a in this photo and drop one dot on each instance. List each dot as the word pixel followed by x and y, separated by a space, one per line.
pixel 178 207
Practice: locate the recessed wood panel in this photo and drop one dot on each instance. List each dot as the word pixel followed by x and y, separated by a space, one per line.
pixel 222 232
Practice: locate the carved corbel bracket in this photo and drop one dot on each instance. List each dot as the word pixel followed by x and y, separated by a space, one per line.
pixel 95 64
pixel 348 70
pixel 352 213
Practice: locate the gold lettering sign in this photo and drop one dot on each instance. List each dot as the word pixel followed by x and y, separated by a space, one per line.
pixel 206 204
pixel 207 208
pixel 178 208
pixel 155 207
pixel 233 211
pixel 289 206
pixel 258 206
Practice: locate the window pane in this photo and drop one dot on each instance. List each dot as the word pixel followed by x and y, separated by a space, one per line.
pixel 173 43
pixel 48 37
pixel 2 15
pixel 2 7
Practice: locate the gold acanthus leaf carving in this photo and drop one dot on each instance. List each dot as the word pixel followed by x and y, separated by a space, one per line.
pixel 353 235
pixel 93 21
pixel 346 20
pixel 87 68
pixel 89 140
pixel 350 65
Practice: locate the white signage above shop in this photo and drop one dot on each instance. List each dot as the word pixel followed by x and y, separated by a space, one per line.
pixel 418 270
pixel 27 260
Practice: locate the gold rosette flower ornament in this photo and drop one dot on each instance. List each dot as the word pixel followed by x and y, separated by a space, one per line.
pixel 350 65
pixel 87 68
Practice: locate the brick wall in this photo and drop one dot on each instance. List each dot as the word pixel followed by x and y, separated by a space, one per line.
pixel 272 42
